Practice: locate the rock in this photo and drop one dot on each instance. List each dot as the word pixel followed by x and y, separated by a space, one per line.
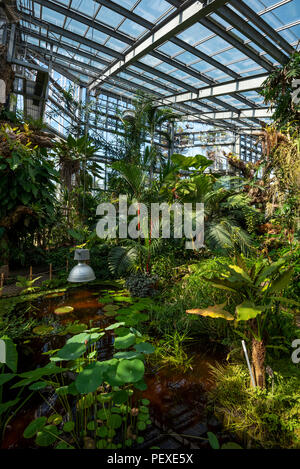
pixel 214 424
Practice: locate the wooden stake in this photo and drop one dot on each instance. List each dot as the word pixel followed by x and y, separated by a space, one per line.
pixel 50 272
pixel 67 265
pixel 30 273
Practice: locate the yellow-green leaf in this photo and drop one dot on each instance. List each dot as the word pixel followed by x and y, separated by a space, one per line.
pixel 248 310
pixel 215 311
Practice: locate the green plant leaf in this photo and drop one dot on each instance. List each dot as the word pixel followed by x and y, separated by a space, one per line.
pixel 69 427
pixel 119 397
pixel 213 440
pixel 114 421
pixel 64 310
pixel 130 371
pixel 71 351
pixel 7 405
pixel 38 385
pixel 231 445
pixel 128 354
pixel 47 436
pixel 115 326
pixel 248 310
pixel 5 377
pixel 102 431
pixel 124 341
pixel 282 281
pixel 42 330
pixel 144 347
pixel 34 427
pixel 215 311
pixel 110 308
pixel 90 378
pixel 141 385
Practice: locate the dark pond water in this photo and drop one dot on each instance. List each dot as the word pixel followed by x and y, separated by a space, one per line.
pixel 178 399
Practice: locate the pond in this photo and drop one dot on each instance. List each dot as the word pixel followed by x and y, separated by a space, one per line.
pixel 178 399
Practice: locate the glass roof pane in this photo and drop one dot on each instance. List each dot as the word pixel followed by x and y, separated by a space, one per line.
pixel 132 29
pixel 76 27
pixel 212 46
pixel 53 17
pixel 129 4
pixel 292 34
pixel 195 32
pixel 96 36
pixel 117 45
pixel 88 7
pixel 170 49
pixel 152 10
pixel 109 17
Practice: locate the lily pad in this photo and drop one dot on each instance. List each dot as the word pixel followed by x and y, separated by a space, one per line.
pixel 115 326
pixel 144 347
pixel 42 330
pixel 90 378
pixel 71 351
pixel 124 341
pixel 110 314
pixel 130 371
pixel 64 310
pixel 111 307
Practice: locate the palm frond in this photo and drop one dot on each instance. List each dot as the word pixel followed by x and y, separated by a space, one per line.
pixel 121 260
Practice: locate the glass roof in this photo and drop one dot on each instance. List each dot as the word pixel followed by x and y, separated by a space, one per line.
pixel 87 37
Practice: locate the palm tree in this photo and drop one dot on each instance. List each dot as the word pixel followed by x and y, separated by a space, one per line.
pixel 76 158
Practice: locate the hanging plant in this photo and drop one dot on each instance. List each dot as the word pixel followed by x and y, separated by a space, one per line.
pixel 280 93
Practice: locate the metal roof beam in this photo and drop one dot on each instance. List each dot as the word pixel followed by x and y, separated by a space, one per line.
pixel 255 36
pixel 262 113
pixel 61 45
pixel 127 13
pixel 181 21
pixel 85 20
pixel 205 57
pixel 236 42
pixel 238 86
pixel 73 36
pixel 262 25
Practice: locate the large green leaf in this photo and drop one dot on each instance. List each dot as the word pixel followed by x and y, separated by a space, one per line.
pixel 124 341
pixel 248 310
pixel 269 270
pixel 34 427
pixel 8 405
pixel 129 355
pixel 222 284
pixel 238 273
pixel 110 373
pixel 144 347
pixel 5 377
pixel 130 371
pixel 86 338
pixel 288 301
pixel 282 281
pixel 91 377
pixel 70 351
pixel 47 436
pixel 215 311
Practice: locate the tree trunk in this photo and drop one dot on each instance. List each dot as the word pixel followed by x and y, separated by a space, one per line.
pixel 258 360
pixel 7 74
